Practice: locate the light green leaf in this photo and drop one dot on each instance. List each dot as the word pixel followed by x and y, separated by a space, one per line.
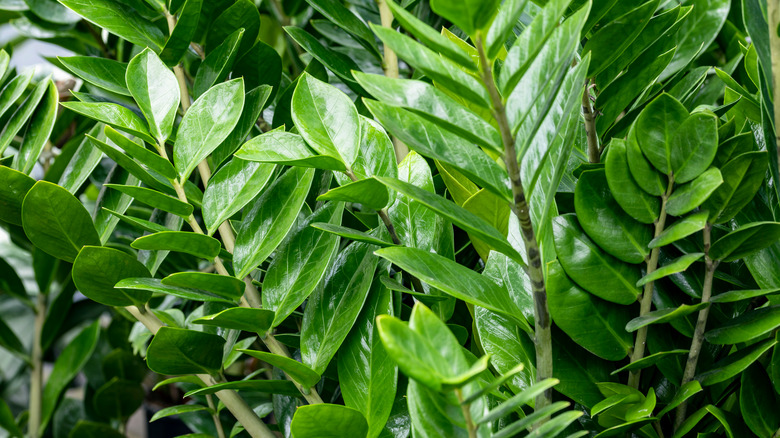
pixel 368 192
pixel 177 410
pixel 228 287
pixel 38 130
pixel 24 111
pixel 119 18
pixel 15 187
pixel 298 371
pixel 742 176
pixel 113 115
pixel 282 147
pixel 351 234
pixel 738 295
pixel 469 15
pixel 734 363
pixel 506 19
pixel 748 326
pixel 179 40
pixel 141 153
pixel 217 65
pixel 102 72
pixel 156 91
pixel 680 229
pixel 282 387
pixel 632 199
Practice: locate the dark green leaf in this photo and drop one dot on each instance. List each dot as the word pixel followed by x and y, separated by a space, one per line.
pixel 691 195
pixel 469 15
pixel 649 360
pixel 179 40
pixel 341 65
pixel 155 199
pixel 38 130
pixel 15 187
pixel 745 327
pixel 7 420
pixel 180 351
pixel 680 229
pixel 145 285
pixel 663 316
pixel 113 115
pixel 643 173
pixel 228 287
pixel 217 64
pixel 240 318
pixel 298 371
pixel 677 265
pixel 241 14
pixel 96 270
pixel 742 176
pixel 745 240
pixel 339 15
pixel 351 234
pixel 196 244
pixel 734 363
pixel 141 153
pixel 24 111
pixel 636 202
pixel 328 421
pixel 685 392
pixel 758 402
pixel 656 127
pixel 368 192
pixel 118 399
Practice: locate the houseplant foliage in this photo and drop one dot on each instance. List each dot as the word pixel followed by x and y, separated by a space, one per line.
pixel 426 218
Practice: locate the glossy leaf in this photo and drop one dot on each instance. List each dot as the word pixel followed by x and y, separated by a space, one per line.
pixel 231 17
pixel 180 351
pixel 155 199
pixel 82 164
pixel 606 223
pixel 734 363
pixel 596 325
pixel 342 17
pixel 632 199
pixel 663 316
pixel 22 114
pixel 656 127
pixel 745 240
pixel 689 196
pixel 228 287
pixel 240 318
pixel 15 187
pixel 268 386
pixel 179 40
pixel 680 229
pixel 141 153
pixel 738 295
pixel 342 66
pixel 120 19
pixel 145 285
pixel 13 90
pixel 697 32
pixel 300 265
pixel 254 102
pixel 56 222
pixel 39 129
pixel 693 146
pixel 102 72
pixel 207 123
pixel 113 115
pixel 97 269
pixel 367 192
pixel 469 15
pixel 298 371
pixel 649 360
pixel 685 392
pixel 677 265
pixel 282 147
pixel 156 91
pixel 758 402
pixel 742 176
pixel 270 218
pixel 498 336
pixel 580 257
pixel 196 244
pixel 177 410
pixel 327 119
pixel 351 234
pixel 643 173
pixel 217 65
pixel 328 421
pixel 334 306
pixel 745 327
pixel 232 188
pixel 508 14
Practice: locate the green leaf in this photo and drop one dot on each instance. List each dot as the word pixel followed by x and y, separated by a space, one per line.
pixel 434 105
pixel 441 70
pixel 745 327
pixel 745 240
pixel 96 270
pixel 693 194
pixel 429 37
pixel 217 65
pixel 141 153
pixel 734 363
pixel 82 163
pixel 610 41
pixel 56 222
pixel 680 229
pixel 742 176
pixel 38 130
pixel 298 371
pixel 632 199
pixel 368 192
pixel 643 173
pixel 469 15
pixel 300 264
pixel 351 234
pixel 693 146
pixel 494 210
pixel 240 318
pixel 239 14
pixel 284 387
pixel 499 338
pixel 454 279
pixel 119 18
pixel 254 102
pixel 506 19
pixel 341 65
pixel 196 244
pixel 113 115
pixel 663 316
pixel 327 119
pixel 7 420
pixel 679 264
pixel 232 188
pixel 282 147
pixel 606 223
pixel 156 91
pixel 118 399
pixel 156 285
pixel 228 287
pixel 334 306
pixel 23 112
pixel 656 127
pixel 758 402
pixel 592 323
pixel 12 91
pixel 738 295
pixel 207 123
pixel 270 218
pixel 15 187
pixel 10 341
pixel 102 72
pixel 177 410
pixel 179 40
pixel 684 393
pixel 180 351
pixel 328 421
pixel 342 17
pixel 68 364
pixel 580 257
pixel 155 199
pixel 649 361
pixel 368 381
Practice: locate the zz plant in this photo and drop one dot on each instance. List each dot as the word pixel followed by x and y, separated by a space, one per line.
pixel 554 218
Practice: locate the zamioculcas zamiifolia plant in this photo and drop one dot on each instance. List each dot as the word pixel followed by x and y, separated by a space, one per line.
pixel 426 218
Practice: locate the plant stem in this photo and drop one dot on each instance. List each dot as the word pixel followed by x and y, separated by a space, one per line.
pixel 390 66
pixel 466 408
pixel 590 125
pixel 235 404
pixel 215 416
pixel 542 320
pixel 701 322
pixel 36 375
pixel 647 293
pixel 773 17
pixel 275 347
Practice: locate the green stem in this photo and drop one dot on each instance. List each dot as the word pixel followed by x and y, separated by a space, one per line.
pixel 466 409
pixel 390 66
pixel 590 125
pixel 701 322
pixel 647 294
pixel 773 17
pixel 542 320
pixel 275 347
pixel 36 375
pixel 215 416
